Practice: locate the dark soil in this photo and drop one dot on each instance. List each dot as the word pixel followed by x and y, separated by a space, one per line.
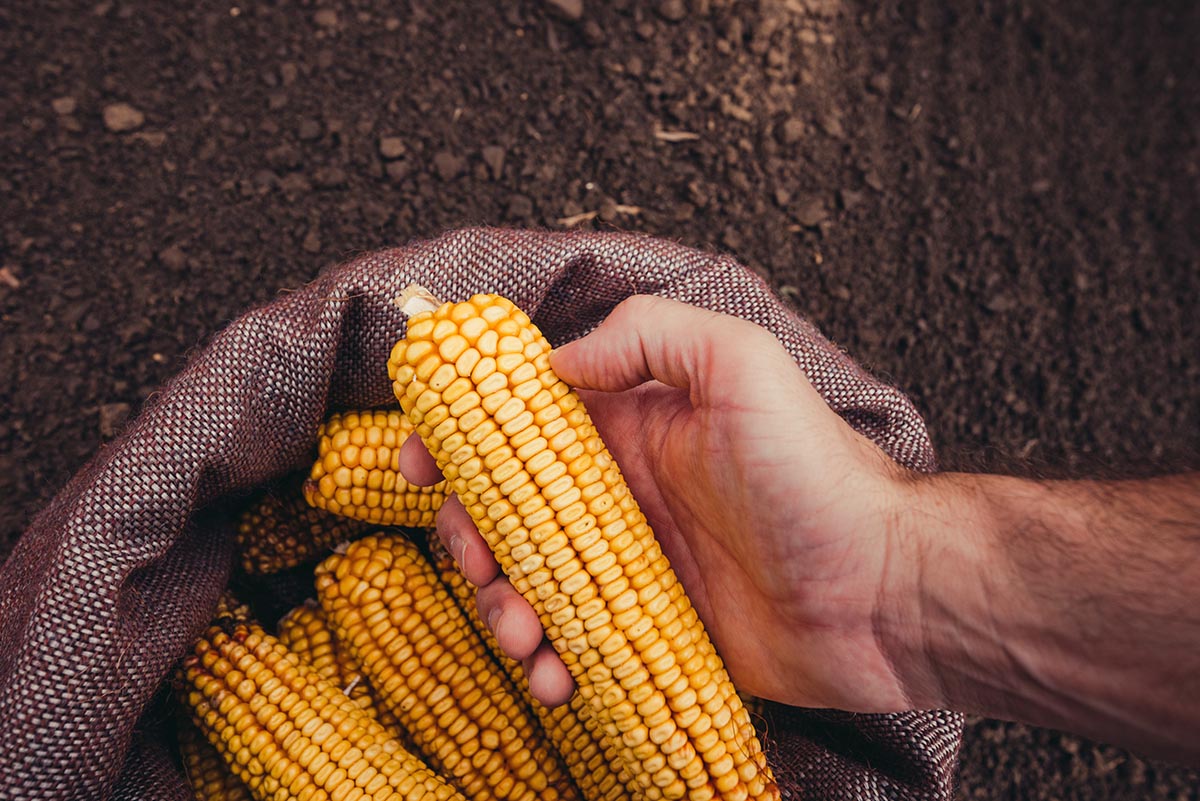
pixel 998 209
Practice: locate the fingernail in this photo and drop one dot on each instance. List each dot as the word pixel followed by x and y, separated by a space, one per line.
pixel 493 619
pixel 458 547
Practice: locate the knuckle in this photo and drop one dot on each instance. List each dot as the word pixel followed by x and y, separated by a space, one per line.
pixel 638 307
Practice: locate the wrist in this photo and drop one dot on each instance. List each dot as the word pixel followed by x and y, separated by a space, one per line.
pixel 936 604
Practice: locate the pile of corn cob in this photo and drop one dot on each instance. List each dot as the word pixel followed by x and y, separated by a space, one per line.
pixel 389 685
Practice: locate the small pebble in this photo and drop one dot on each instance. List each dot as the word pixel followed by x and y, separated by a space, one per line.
pixel 593 33
pixel 810 211
pixel 121 117
pixel 63 105
pixel 493 157
pixel 399 170
pixel 880 83
pixel 831 125
pixel 294 184
pixel 329 177
pixel 672 10
pixel 391 147
pixel 448 165
pixel 791 132
pixel 173 257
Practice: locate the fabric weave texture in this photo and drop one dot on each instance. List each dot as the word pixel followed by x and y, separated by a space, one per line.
pixel 114 580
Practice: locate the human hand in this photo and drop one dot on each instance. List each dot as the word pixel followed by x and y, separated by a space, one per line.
pixel 775 514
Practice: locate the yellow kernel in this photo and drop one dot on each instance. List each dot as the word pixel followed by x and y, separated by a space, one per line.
pixel 510 344
pixel 495 400
pixel 525 372
pixel 487 343
pixel 531 448
pixel 526 390
pixel 549 474
pixel 457 389
pixel 538 462
pixel 511 408
pixel 427 367
pixel 420 326
pixel 473 328
pixel 442 377
pixel 444 329
pixel 427 400
pixel 464 404
pixel 506 470
pixel 521 422
pixel 508 362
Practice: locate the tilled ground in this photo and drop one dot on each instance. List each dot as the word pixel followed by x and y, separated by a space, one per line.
pixel 996 208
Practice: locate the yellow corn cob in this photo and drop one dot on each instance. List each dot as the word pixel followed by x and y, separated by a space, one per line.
pixel 206 771
pixel 281 531
pixel 357 472
pixel 286 732
pixel 572 728
pixel 384 600
pixel 305 631
pixel 517 446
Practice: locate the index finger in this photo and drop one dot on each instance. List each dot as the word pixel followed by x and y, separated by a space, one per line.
pixel 416 465
pixel 648 338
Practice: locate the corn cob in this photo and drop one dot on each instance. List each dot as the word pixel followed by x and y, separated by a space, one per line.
pixel 357 472
pixel 572 728
pixel 305 631
pixel 206 771
pixel 384 600
pixel 518 448
pixel 285 731
pixel 281 531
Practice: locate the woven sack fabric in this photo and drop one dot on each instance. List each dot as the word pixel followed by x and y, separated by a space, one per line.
pixel 118 575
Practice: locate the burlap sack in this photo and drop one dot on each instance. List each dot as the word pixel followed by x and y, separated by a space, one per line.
pixel 114 580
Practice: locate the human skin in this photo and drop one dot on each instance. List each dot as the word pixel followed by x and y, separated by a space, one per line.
pixel 829 576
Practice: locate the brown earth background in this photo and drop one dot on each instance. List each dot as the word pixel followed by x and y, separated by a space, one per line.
pixel 995 207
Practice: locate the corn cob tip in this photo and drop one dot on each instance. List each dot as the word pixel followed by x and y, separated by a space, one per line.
pixel 308 604
pixel 230 611
pixel 415 299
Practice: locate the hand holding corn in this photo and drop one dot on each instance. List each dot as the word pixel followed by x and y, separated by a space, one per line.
pixel 520 452
pixel 828 576
pixel 733 457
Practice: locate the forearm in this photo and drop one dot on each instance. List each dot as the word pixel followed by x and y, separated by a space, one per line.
pixel 1074 605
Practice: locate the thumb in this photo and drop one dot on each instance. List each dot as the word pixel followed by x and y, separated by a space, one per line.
pixel 651 338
